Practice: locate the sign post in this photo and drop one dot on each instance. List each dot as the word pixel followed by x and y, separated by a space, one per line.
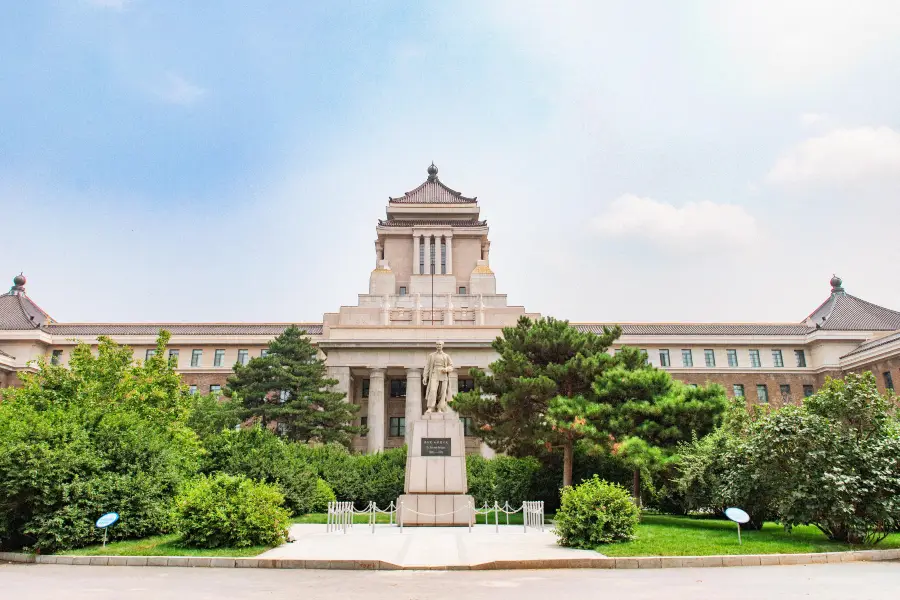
pixel 105 521
pixel 738 516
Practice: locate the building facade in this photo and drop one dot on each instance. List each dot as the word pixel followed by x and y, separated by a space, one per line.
pixel 432 280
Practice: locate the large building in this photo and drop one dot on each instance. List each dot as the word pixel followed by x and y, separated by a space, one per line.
pixel 432 281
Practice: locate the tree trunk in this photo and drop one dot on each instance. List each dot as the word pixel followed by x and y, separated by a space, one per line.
pixel 568 460
pixel 636 487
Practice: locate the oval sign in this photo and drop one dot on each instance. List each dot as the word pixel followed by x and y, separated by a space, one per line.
pixel 737 515
pixel 107 519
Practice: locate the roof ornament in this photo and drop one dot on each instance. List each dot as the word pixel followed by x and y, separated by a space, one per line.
pixel 836 285
pixel 432 172
pixel 18 283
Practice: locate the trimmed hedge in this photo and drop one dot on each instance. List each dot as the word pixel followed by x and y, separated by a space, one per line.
pixel 595 512
pixel 502 479
pixel 226 511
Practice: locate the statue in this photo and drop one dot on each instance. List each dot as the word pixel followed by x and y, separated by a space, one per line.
pixel 437 380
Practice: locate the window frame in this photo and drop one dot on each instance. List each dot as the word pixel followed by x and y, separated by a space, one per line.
pixel 709 358
pixel 176 353
pixel 466 384
pixel 364 422
pixel 734 390
pixel 396 426
pixel 755 358
pixel 197 357
pixel 219 357
pixel 888 380
pixel 192 389
pixel 800 357
pixel 785 390
pixel 402 290
pixel 732 358
pixel 462 290
pixel 687 358
pixel 764 397
pixel 246 356
pixel 777 358
pixel 218 389
pixel 808 387
pixel 397 388
pixel 149 353
pixel 468 424
pixel 56 356
pixel 665 358
pixel 364 388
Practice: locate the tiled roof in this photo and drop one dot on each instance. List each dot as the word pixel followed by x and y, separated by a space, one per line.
pixel 18 311
pixel 432 192
pixel 700 328
pixel 427 222
pixel 844 312
pixel 893 337
pixel 177 328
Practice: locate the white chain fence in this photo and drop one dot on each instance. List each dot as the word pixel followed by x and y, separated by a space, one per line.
pixel 341 515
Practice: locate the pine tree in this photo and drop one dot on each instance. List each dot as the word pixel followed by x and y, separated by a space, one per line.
pixel 289 386
pixel 539 392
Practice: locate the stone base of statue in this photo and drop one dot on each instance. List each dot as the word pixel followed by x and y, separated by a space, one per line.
pixel 436 483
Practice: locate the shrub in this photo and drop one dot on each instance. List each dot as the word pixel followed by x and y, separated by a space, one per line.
pixel 103 435
pixel 259 454
pixel 502 479
pixel 595 512
pixel 360 478
pixel 322 496
pixel 226 511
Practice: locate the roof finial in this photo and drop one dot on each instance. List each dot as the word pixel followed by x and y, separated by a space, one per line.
pixel 18 283
pixel 836 285
pixel 432 172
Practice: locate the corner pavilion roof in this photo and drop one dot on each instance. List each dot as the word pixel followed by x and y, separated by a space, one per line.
pixel 843 312
pixel 18 311
pixel 432 191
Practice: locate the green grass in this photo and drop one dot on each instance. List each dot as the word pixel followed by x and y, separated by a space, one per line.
pixel 161 545
pixel 662 535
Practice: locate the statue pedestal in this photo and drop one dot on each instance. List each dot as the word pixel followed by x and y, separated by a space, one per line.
pixel 436 483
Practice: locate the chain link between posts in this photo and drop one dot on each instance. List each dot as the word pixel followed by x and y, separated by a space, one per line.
pixel 341 515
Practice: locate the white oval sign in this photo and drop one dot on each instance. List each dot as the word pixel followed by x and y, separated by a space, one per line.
pixel 737 515
pixel 107 519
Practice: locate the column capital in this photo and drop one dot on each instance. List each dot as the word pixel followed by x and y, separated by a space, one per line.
pixel 376 372
pixel 413 371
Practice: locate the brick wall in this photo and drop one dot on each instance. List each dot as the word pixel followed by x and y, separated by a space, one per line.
pixel 772 380
pixel 891 365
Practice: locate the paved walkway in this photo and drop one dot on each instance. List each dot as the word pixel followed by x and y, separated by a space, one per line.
pixel 424 546
pixel 856 581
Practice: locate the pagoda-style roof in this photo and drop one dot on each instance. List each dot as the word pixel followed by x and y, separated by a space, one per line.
pixel 844 312
pixel 432 191
pixel 430 222
pixel 18 311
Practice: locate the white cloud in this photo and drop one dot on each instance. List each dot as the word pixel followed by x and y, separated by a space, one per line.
pixel 695 222
pixel 811 119
pixel 175 89
pixel 854 155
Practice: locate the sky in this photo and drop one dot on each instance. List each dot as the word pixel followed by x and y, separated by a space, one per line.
pixel 640 160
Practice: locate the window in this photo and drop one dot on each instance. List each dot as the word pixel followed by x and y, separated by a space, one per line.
pixel 462 290
pixel 738 390
pixel 762 392
pixel 150 354
pixel 754 359
pixel 264 352
pixel 422 255
pixel 243 357
pixel 888 381
pixel 777 358
pixel 398 388
pixel 219 358
pixel 364 423
pixel 710 357
pixel 687 358
pixel 808 391
pixel 215 389
pixel 466 385
pixel 192 389
pixel 732 358
pixel 664 359
pixel 468 426
pixel 196 357
pixel 431 255
pixel 397 426
pixel 56 357
pixel 693 385
pixel 443 256
pixel 173 357
pixel 365 388
pixel 785 390
pixel 402 290
pixel 801 358
pixel 645 356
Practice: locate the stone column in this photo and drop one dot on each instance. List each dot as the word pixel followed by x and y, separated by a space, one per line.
pixel 413 399
pixel 416 240
pixel 376 411
pixel 449 239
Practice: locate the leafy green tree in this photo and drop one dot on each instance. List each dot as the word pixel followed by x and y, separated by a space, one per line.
pixel 833 462
pixel 649 414
pixel 105 434
pixel 289 386
pixel 540 390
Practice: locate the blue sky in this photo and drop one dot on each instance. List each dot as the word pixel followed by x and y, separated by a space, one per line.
pixel 636 161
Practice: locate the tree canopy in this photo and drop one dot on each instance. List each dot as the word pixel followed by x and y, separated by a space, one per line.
pixel 288 386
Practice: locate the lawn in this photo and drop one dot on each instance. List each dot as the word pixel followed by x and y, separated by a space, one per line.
pixel 662 535
pixel 161 545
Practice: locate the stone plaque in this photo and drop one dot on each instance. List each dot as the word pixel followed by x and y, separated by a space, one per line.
pixel 435 446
